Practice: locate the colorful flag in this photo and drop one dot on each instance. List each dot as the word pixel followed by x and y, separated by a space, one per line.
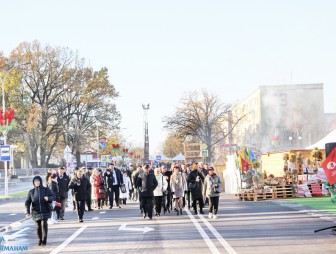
pixel 329 166
pixel 252 156
pixel 245 165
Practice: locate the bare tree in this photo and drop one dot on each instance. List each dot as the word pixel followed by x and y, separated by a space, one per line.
pixel 204 117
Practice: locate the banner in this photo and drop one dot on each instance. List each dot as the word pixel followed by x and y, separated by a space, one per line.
pixel 329 166
pixel 244 164
pixel 102 143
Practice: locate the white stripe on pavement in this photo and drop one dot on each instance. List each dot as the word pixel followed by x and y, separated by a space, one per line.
pixel 223 242
pixel 206 238
pixel 69 240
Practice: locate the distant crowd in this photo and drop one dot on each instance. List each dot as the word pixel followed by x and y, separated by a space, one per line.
pixel 157 189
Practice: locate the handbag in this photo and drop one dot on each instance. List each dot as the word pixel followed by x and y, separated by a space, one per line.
pixel 101 191
pixel 192 186
pixel 216 189
pixel 123 188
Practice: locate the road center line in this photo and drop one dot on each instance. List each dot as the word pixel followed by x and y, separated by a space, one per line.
pixel 204 235
pixel 223 242
pixel 69 240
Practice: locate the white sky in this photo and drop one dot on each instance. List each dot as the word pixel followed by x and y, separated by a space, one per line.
pixel 157 50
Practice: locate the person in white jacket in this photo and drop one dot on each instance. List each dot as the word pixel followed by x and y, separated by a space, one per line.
pixel 125 188
pixel 159 190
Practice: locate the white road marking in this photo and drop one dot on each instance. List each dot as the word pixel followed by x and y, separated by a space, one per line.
pixel 15 235
pixel 223 242
pixel 204 235
pixel 95 218
pixel 144 230
pixel 12 214
pixel 102 212
pixel 69 240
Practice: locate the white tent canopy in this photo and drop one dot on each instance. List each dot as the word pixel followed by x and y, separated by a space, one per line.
pixel 179 157
pixel 330 138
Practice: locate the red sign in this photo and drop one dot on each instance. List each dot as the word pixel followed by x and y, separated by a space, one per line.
pixel 329 166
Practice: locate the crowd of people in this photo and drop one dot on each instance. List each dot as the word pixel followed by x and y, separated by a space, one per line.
pixel 157 189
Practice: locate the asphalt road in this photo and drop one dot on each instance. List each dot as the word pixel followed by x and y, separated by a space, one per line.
pixel 242 227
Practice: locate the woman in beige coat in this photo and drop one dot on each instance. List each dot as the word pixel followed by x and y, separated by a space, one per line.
pixel 211 189
pixel 178 185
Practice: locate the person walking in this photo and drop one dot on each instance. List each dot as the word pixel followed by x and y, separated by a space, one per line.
pixel 114 180
pixel 125 188
pixel 63 181
pixel 186 198
pixel 211 189
pixel 167 197
pixel 178 185
pixel 195 181
pixel 53 186
pixel 99 188
pixel 80 185
pixel 73 176
pixel 37 205
pixel 159 191
pixel 89 196
pixel 147 183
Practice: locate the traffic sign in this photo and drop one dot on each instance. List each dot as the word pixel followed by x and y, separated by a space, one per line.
pixel 156 163
pixel 205 153
pixel 104 158
pixel 5 153
pixel 204 146
pixel 158 157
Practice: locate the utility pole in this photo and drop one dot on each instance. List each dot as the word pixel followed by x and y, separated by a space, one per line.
pixel 146 144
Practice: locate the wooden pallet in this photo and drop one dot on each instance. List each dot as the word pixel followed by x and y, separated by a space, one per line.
pixel 283 191
pixel 255 195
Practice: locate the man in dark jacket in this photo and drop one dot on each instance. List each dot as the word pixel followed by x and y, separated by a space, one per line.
pixel 37 205
pixel 114 180
pixel 63 181
pixel 80 185
pixel 147 183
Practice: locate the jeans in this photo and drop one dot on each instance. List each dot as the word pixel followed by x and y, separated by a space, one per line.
pixel 80 208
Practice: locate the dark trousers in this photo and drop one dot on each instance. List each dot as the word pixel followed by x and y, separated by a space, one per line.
pixel 89 200
pixel 200 202
pixel 42 229
pixel 115 194
pixel 158 204
pixel 62 210
pixel 80 208
pixel 213 203
pixel 168 202
pixel 186 199
pixel 147 206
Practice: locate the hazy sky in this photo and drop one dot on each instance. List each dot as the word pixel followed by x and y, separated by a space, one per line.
pixel 157 50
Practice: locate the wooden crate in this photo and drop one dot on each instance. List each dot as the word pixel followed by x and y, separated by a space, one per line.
pixel 283 191
pixel 255 195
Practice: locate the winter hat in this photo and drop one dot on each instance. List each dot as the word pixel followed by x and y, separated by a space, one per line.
pixel 53 176
pixel 38 178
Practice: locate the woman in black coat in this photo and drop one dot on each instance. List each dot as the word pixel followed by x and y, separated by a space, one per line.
pixel 81 187
pixel 37 205
pixel 195 185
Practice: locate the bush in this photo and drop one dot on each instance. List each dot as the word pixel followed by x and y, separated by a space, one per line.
pixel 14 177
pixel 36 172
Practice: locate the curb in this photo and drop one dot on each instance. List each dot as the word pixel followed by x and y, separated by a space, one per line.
pixel 13 225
